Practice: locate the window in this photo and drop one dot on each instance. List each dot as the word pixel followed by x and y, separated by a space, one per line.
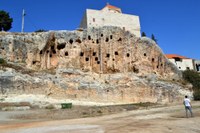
pixel 93 19
pixel 178 59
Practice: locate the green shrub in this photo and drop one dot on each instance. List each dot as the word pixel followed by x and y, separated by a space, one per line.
pixel 193 77
pixel 50 107
pixel 196 95
pixel 2 61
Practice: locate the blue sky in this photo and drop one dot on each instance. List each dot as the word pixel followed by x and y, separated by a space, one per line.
pixel 175 23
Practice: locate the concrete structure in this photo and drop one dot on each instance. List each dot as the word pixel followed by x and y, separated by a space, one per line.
pixel 111 16
pixel 183 63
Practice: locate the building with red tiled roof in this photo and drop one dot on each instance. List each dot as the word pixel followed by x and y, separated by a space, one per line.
pixel 172 56
pixel 182 62
pixel 111 16
pixel 114 9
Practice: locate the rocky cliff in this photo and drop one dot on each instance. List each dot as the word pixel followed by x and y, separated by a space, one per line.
pixel 105 65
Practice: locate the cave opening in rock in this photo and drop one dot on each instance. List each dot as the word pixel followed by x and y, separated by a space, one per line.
pixel 116 53
pixel 41 52
pixel 96 58
pixel 78 40
pixel 87 59
pixel 66 53
pixel 135 70
pixel 94 54
pixel 89 37
pixel 97 41
pixel 127 54
pixel 81 53
pixel 52 47
pixel 71 41
pixel 107 39
pixel 61 46
pixel 120 39
pixel 54 51
pixel 107 55
pixel 111 36
pixel 145 54
pixel 101 35
pixel 153 59
pixel 33 62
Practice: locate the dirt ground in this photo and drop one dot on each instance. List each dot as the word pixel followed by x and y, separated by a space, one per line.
pixel 109 119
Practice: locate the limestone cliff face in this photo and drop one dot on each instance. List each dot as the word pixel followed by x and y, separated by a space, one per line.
pixel 102 63
pixel 104 50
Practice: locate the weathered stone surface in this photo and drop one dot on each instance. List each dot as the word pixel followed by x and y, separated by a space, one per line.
pixel 102 65
pixel 103 50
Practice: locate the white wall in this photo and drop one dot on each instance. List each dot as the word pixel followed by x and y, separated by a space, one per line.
pixel 182 65
pixel 97 18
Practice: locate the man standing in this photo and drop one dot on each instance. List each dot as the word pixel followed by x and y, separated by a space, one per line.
pixel 188 106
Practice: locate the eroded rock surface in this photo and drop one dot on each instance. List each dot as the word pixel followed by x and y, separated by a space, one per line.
pixel 105 64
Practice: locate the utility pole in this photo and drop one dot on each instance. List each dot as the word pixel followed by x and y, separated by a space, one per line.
pixel 23 14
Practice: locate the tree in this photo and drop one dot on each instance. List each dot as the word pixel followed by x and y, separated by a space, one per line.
pixel 41 30
pixel 153 38
pixel 194 78
pixel 5 21
pixel 143 34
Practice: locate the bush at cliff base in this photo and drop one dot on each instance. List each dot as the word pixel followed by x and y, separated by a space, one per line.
pixel 2 61
pixel 193 77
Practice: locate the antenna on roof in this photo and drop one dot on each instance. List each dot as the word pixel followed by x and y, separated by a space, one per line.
pixel 23 14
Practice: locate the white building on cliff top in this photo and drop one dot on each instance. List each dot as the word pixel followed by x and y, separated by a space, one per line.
pixel 111 16
pixel 183 63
